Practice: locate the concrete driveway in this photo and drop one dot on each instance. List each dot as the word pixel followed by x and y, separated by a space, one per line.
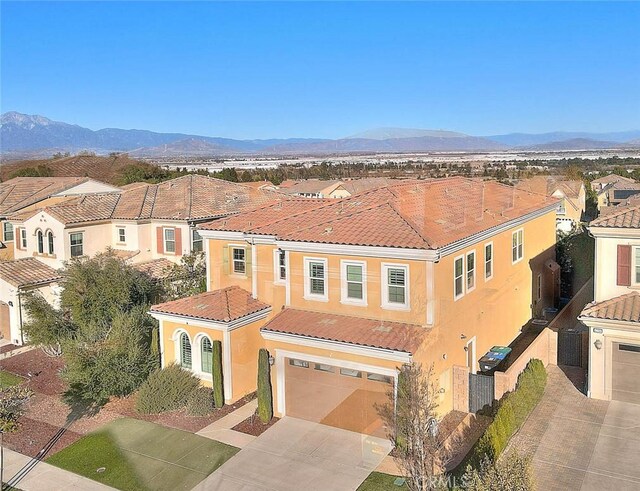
pixel 299 455
pixel 579 443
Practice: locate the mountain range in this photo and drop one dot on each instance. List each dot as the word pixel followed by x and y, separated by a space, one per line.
pixel 22 135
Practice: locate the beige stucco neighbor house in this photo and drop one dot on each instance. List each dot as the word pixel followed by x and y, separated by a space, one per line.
pixel 318 188
pixel 613 318
pixel 613 190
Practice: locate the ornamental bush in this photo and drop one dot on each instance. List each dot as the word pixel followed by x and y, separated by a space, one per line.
pixel 216 374
pixel 265 397
pixel 167 389
pixel 200 402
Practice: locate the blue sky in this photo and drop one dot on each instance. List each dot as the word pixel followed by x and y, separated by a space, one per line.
pixel 260 70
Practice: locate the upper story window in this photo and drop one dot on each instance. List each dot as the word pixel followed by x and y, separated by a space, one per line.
pixel 169 240
pixel 458 275
pixel 488 261
pixel 517 245
pixel 50 242
pixel 239 256
pixel 40 237
pixel 7 232
pixel 316 276
pixel 561 210
pixel 637 264
pixel 280 265
pixel 471 270
pixel 196 241
pixel 23 238
pixel 76 240
pixel 354 286
pixel 122 235
pixel 395 282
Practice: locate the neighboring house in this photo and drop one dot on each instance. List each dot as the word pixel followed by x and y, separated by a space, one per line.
pixel 317 188
pixel 343 292
pixel 28 193
pixel 613 318
pixel 572 196
pixel 613 190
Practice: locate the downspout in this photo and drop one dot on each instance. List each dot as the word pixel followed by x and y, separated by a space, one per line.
pixel 20 316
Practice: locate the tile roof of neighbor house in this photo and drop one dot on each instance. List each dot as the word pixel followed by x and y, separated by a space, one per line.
pixel 611 178
pixel 425 214
pixel 372 333
pixel 355 186
pixel 620 217
pixel 550 184
pixel 224 305
pixel 20 192
pixel 27 272
pixel 624 308
pixel 310 186
pixel 156 268
pixel 191 197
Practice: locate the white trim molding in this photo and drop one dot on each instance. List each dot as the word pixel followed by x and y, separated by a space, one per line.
pixel 208 324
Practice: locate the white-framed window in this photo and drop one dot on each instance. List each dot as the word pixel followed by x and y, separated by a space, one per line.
pixel 122 235
pixel 206 355
pixel 471 271
pixel 517 245
pixel 636 257
pixel 23 238
pixel 316 276
pixel 279 266
pixel 169 235
pixel 196 241
pixel 561 210
pixel 353 275
pixel 40 237
pixel 395 286
pixel 185 351
pixel 458 277
pixel 76 241
pixel 488 261
pixel 539 287
pixel 50 242
pixel 7 231
pixel 239 260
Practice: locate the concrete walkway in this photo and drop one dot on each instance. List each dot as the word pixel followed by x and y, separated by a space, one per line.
pixel 221 431
pixel 296 455
pixel 581 444
pixel 29 474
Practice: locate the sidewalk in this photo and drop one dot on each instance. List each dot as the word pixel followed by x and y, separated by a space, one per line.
pixel 29 474
pixel 221 430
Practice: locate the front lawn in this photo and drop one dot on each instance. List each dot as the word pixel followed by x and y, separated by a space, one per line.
pixel 8 379
pixel 130 454
pixel 378 481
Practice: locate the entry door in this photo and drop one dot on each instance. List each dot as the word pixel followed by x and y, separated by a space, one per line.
pixel 5 327
pixel 626 373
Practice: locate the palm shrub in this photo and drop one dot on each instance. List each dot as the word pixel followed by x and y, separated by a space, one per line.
pixel 167 389
pixel 265 397
pixel 216 372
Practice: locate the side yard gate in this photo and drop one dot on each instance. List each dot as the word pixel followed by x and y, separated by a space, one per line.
pixel 481 391
pixel 570 347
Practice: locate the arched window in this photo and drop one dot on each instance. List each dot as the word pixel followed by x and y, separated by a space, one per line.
pixel 185 351
pixel 50 240
pixel 206 355
pixel 40 242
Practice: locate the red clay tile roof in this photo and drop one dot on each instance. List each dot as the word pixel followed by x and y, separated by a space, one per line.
pixel 611 178
pixel 156 268
pixel 623 308
pixel 417 214
pixel 27 272
pixel 20 192
pixel 224 305
pixel 372 333
pixel 623 217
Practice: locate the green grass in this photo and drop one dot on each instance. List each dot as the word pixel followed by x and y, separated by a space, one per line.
pixel 8 379
pixel 378 481
pixel 138 455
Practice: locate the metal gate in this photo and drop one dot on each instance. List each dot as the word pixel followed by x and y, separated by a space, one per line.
pixel 481 391
pixel 570 347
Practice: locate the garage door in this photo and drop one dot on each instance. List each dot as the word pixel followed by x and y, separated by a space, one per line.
pixel 336 396
pixel 626 373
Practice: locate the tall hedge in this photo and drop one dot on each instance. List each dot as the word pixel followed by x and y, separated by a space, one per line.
pixel 265 397
pixel 216 372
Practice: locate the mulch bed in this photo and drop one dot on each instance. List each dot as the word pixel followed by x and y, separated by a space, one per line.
pixel 36 435
pixel 40 370
pixel 7 347
pixel 253 426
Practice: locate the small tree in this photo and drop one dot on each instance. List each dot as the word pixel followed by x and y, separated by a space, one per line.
pixel 12 401
pixel 46 327
pixel 216 372
pixel 265 397
pixel 187 278
pixel 513 472
pixel 411 420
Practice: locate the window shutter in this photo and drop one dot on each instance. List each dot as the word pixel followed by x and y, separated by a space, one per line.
pixel 247 261
pixel 18 238
pixel 178 232
pixel 225 259
pixel 624 265
pixel 160 240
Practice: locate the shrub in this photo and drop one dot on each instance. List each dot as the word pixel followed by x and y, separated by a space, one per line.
pixel 200 402
pixel 265 398
pixel 167 389
pixel 511 472
pixel 12 402
pixel 216 373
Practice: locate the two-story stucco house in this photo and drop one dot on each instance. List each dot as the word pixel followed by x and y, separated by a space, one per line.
pixel 343 292
pixel 613 318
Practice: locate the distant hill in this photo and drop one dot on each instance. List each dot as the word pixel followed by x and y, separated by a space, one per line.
pixel 575 144
pixel 393 133
pixel 528 139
